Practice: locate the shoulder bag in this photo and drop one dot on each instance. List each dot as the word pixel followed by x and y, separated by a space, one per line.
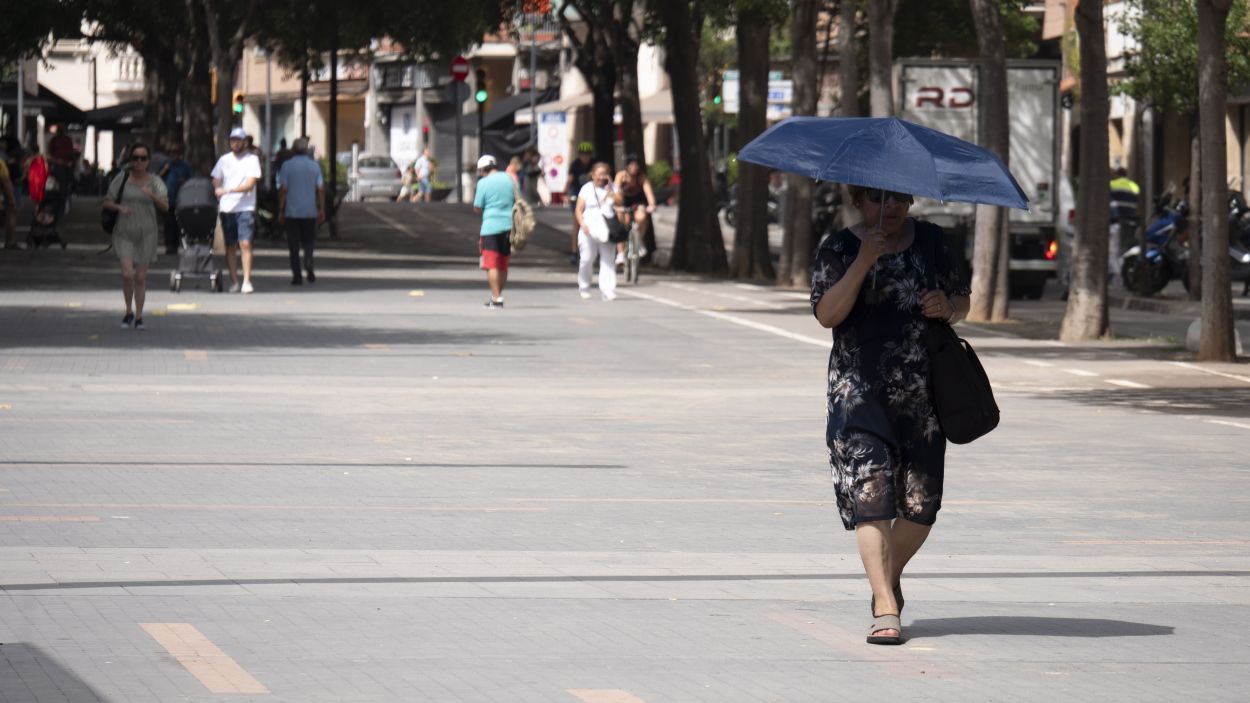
pixel 108 216
pixel 617 231
pixel 962 396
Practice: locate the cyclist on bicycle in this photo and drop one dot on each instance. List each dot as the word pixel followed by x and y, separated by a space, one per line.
pixel 639 201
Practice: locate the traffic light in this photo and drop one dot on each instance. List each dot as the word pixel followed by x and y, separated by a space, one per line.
pixel 479 80
pixel 237 105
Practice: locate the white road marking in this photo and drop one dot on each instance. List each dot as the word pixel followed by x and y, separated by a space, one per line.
pixel 1213 372
pixel 1242 425
pixel 1039 364
pixel 823 343
pixel 737 298
pixel 1080 372
pixel 396 224
pixel 1126 384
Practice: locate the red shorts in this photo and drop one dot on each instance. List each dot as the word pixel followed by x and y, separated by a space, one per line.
pixel 495 250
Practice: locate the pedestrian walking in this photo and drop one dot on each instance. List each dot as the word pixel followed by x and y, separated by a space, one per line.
pixel 596 202
pixel 493 200
pixel 234 180
pixel 579 175
pixel 424 167
pixel 136 196
pixel 886 448
pixel 301 207
pixel 176 172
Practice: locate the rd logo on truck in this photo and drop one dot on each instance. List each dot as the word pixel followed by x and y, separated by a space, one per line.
pixel 934 96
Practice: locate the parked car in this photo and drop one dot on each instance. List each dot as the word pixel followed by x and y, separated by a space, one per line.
pixel 375 176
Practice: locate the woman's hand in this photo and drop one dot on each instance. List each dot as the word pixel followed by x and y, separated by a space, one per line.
pixel 872 247
pixel 934 304
pixel 147 190
pixel 123 210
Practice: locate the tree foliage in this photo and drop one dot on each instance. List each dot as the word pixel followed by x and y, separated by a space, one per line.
pixel 916 20
pixel 1164 72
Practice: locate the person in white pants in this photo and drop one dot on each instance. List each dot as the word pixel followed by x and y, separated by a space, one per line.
pixel 598 199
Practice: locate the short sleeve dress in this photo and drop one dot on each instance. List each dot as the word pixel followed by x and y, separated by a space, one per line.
pixel 135 236
pixel 886 449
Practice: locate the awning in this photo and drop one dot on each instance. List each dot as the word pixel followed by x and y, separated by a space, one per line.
pixel 120 116
pixel 8 97
pixel 45 102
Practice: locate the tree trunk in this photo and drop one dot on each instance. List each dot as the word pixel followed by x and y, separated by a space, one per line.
pixel 881 56
pixel 797 245
pixel 1217 341
pixel 751 257
pixel 848 82
pixel 698 246
pixel 160 97
pixel 195 89
pixel 1086 315
pixel 593 58
pixel 625 56
pixel 1195 214
pixel 226 52
pixel 993 130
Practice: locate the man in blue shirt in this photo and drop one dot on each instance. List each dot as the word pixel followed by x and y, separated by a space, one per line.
pixel 175 172
pixel 493 199
pixel 301 207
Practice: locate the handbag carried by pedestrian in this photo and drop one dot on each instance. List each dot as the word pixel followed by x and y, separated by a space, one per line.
pixel 108 216
pixel 617 231
pixel 522 221
pixel 961 391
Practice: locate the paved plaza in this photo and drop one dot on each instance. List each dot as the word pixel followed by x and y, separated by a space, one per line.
pixel 374 489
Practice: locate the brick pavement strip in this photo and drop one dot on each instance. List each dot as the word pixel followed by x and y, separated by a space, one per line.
pixel 361 494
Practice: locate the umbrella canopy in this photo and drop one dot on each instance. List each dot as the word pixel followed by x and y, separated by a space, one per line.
pixel 886 153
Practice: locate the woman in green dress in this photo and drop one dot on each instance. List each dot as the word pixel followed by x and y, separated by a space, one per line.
pixel 136 198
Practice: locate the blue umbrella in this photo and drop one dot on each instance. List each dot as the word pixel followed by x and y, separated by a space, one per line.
pixel 889 154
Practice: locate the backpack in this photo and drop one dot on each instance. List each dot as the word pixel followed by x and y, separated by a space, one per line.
pixel 522 221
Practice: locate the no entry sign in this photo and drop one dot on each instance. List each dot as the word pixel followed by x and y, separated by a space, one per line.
pixel 459 68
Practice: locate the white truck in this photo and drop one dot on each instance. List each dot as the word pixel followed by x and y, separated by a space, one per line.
pixel 943 94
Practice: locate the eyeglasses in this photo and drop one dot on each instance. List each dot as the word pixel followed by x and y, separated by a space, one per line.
pixel 138 158
pixel 879 196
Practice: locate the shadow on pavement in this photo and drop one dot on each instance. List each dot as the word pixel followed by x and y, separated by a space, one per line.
pixel 1224 402
pixel 60 327
pixel 1109 352
pixel 27 673
pixel 1032 626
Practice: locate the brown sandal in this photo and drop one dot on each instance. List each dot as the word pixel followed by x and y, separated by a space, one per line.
pixel 881 623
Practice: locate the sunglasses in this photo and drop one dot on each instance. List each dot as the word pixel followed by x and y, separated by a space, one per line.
pixel 879 196
pixel 138 158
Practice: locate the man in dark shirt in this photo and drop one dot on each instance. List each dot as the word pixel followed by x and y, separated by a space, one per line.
pixel 579 175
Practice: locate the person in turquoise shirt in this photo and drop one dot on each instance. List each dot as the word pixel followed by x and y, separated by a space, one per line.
pixel 493 200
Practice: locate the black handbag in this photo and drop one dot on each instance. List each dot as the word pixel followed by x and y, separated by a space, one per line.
pixel 617 231
pixel 961 391
pixel 108 216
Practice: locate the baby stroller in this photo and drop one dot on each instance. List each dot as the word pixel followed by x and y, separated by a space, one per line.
pixel 196 212
pixel 49 198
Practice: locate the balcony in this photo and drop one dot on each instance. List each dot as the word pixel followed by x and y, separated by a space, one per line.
pixel 129 75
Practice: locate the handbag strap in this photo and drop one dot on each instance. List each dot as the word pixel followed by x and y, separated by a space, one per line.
pixel 122 188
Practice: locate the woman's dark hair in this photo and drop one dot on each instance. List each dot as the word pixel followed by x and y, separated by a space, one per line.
pixel 140 145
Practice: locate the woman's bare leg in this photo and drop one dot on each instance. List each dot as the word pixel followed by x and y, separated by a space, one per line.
pixel 906 537
pixel 141 289
pixel 874 540
pixel 128 284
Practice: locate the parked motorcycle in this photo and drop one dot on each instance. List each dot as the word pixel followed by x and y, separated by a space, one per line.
pixel 1239 241
pixel 731 206
pixel 1167 256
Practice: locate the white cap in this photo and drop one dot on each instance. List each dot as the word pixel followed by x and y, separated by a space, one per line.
pixel 237 133
pixel 486 160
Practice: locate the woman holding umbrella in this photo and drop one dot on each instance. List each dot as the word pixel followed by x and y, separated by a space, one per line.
pixel 886 448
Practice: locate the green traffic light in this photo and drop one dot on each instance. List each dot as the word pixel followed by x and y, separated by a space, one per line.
pixel 716 100
pixel 238 108
pixel 480 96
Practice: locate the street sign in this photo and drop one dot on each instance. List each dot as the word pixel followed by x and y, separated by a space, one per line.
pixel 459 69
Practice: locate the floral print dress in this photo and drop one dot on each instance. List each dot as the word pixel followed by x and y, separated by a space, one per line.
pixel 886 449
